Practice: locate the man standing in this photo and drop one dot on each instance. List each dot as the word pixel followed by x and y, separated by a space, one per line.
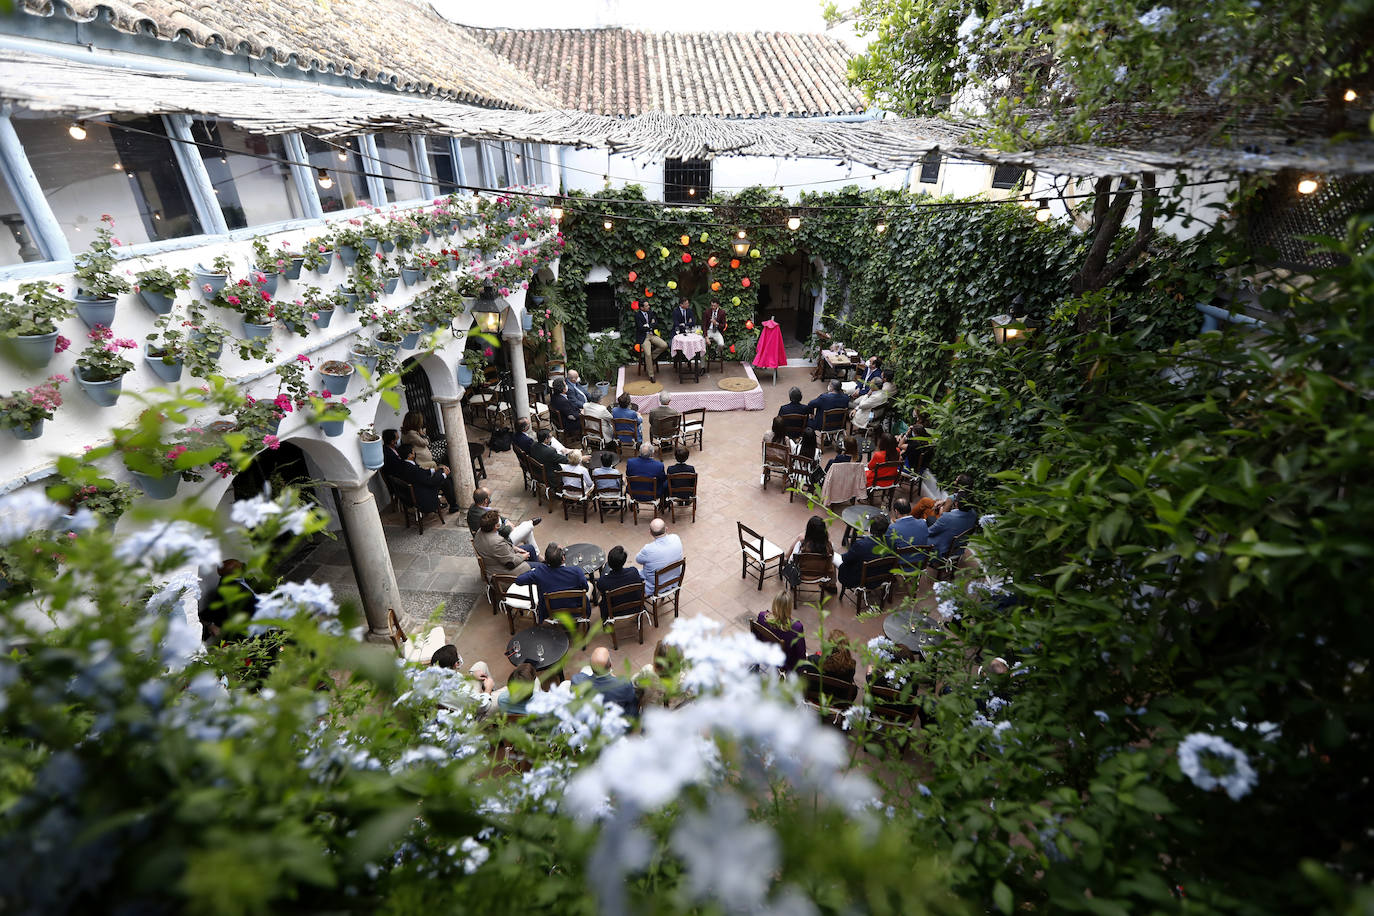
pixel 553 576
pixel 616 575
pixel 907 531
pixel 716 323
pixel 647 336
pixel 429 485
pixel 834 397
pixel 664 550
pixel 684 319
pixel 615 689
pixel 646 465
pixel 521 534
pixel 663 420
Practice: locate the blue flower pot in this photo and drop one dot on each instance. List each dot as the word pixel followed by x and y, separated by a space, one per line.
pixel 389 246
pixel 452 263
pixel 350 300
pixel 34 430
pixel 198 339
pixel 170 373
pixel 332 428
pixel 34 351
pixel 464 376
pixel 371 244
pixel 157 303
pixel 373 458
pixel 328 263
pixel 359 359
pixel 410 277
pixel 348 254
pixel 326 316
pixel 388 346
pixel 269 283
pixel 293 270
pixel 208 278
pixel 424 237
pixel 428 328
pixel 96 311
pixel 164 487
pixel 105 393
pixel 336 384
pixel 251 330
pixel 389 285
pixel 409 341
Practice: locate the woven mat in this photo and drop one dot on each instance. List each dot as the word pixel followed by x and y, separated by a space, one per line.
pixel 737 384
pixel 639 388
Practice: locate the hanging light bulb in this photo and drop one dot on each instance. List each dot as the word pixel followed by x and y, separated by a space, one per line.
pixel 322 176
pixel 881 227
pixel 794 223
pixel 1027 202
pixel 223 159
pixel 119 166
pixel 343 155
pixel 77 130
pixel 691 192
pixel 1042 212
pixel 607 225
pixel 556 213
pixel 1351 95
pixel 1308 186
pixel 157 214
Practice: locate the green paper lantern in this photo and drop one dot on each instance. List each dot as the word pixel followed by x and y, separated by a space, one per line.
pixel 754 253
pixel 705 237
pixel 734 300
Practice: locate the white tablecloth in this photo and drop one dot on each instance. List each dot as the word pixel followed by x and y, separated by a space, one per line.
pixel 711 399
pixel 688 345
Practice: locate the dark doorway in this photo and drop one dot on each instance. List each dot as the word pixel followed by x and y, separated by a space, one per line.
pixel 420 397
pixel 274 470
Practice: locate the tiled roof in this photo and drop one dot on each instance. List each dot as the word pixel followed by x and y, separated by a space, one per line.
pixel 400 43
pixel 623 73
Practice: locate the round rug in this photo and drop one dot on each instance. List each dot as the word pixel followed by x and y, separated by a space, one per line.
pixel 737 384
pixel 638 388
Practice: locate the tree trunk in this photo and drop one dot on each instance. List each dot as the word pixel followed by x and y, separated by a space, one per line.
pixel 1099 268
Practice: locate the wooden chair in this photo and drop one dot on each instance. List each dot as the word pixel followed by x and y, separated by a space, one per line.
pixel 404 492
pixel 667 588
pixel 889 708
pixel 575 495
pixel 799 471
pixel 714 354
pixel 515 600
pixel 486 584
pixel 542 490
pixel 777 459
pixel 764 634
pixel 626 434
pixel 794 423
pixel 817 569
pixel 943 567
pixel 643 493
pixel 574 431
pixel 886 479
pixel 663 431
pixel 828 695
pixel 639 363
pixel 479 467
pixel 523 461
pixel 687 368
pixel 575 602
pixel 876 576
pixel 682 494
pixel 556 421
pixel 608 500
pixel 833 424
pixel 539 415
pixel 694 427
pixel 757 551
pixel 626 603
pixel 419 652
pixel 596 434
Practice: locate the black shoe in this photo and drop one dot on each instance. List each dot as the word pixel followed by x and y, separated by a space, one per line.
pixel 537 520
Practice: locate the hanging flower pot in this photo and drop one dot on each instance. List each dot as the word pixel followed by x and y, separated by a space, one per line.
pixel 371 244
pixel 388 346
pixel 464 376
pixel 251 330
pixel 292 271
pixel 198 340
pixel 96 311
pixel 164 487
pixel 424 237
pixel 206 277
pixel 322 317
pixel 452 263
pixel 335 376
pixel 269 281
pixel 166 368
pixel 537 300
pixel 350 300
pixel 35 350
pixel 363 359
pixel 348 255
pixel 323 267
pixel 389 283
pixel 388 246
pixel 104 393
pixel 157 303
pixel 429 327
pixel 332 428
pixel 409 341
pixel 410 276
pixel 371 450
pixel 32 431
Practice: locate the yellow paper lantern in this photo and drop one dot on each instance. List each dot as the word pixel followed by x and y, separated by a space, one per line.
pixel 686 240
pixel 754 253
pixel 672 284
pixel 705 237
pixel 662 252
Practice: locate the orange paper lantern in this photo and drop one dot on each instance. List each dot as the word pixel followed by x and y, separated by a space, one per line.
pixel 639 253
pixel 686 240
pixel 744 283
pixel 648 294
pixel 638 348
pixel 712 261
pixel 634 306
pixel 715 286
pixel 734 263
pixel 686 258
pixel 633 276
pixel 749 325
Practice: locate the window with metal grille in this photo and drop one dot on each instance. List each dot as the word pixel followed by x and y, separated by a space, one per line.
pixel 601 311
pixel 686 180
pixel 1006 176
pixel 930 167
pixel 1280 219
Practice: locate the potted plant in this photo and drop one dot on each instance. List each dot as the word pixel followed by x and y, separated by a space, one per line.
pixel 416 266
pixel 165 352
pixel 160 466
pixel 320 306
pixel 97 283
pixel 295 315
pixel 29 323
pixel 370 444
pixel 608 353
pixel 101 367
pixel 329 412
pixel 396 329
pixel 318 256
pixel 347 240
pixel 158 287
pixel 23 412
pixel 204 347
pixel 253 303
pixel 365 354
pixel 335 375
pixel 473 366
pixel 267 264
pixel 259 418
pixel 81 487
pixel 211 280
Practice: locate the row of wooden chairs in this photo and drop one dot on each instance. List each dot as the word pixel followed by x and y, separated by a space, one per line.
pixel 622 433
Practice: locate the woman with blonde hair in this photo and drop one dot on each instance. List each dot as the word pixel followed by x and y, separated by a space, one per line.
pixel 413 432
pixel 778 621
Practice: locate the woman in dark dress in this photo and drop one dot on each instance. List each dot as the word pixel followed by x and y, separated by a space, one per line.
pixel 778 621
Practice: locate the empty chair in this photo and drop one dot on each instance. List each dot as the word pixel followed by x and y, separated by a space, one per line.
pixel 777 459
pixel 419 651
pixel 626 603
pixel 514 600
pixel 682 494
pixel 875 577
pixel 758 552
pixel 693 427
pixel 643 494
pixel 667 588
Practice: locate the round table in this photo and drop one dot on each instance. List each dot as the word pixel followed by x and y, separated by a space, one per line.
pixel 587 557
pixel 542 645
pixel 689 345
pixel 913 629
pixel 856 520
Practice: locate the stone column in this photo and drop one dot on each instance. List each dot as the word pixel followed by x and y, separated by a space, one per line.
pixel 367 548
pixel 515 341
pixel 459 458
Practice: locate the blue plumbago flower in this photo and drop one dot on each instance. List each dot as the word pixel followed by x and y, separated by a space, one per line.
pixel 852 715
pixel 1101 716
pixel 24 512
pixel 986 521
pixel 475 854
pixel 882 648
pixel 1212 762
pixel 291 598
pixel 580 718
pixel 178 541
pixel 712 660
pixel 1153 20
pixel 737 873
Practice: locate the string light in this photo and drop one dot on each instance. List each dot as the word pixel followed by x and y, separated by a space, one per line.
pixel 343 155
pixel 1308 186
pixel 157 214
pixel 691 192
pixel 77 130
pixel 880 228
pixel 1027 202
pixel 119 166
pixel 1351 95
pixel 322 176
pixel 608 225
pixel 1042 213
pixel 794 223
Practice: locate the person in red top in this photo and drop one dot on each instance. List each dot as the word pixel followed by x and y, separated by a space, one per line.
pixel 887 445
pixel 715 322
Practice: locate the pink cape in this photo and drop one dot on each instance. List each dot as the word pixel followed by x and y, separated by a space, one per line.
pixel 770 353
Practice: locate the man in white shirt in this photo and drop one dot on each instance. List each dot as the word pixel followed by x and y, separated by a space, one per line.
pixel 867 405
pixel 664 550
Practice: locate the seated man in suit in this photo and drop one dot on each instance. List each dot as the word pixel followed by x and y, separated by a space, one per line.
pixel 554 575
pixel 614 576
pixel 499 554
pixel 550 458
pixel 664 420
pixel 794 404
pixel 862 549
pixel 680 455
pixel 563 407
pixel 715 322
pixel 624 410
pixel 952 524
pixel 431 486
pixel 648 338
pixel 834 397
pixel 391 460
pixel 906 531
pixel 866 405
pixel 646 465
pixel 521 439
pixel 577 392
pixel 615 689
pixel 521 535
pixel 684 319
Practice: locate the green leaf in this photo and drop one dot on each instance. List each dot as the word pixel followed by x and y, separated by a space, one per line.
pixel 1149 799
pixel 1001 896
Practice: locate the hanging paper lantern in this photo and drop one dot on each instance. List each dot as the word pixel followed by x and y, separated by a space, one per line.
pixel 639 253
pixel 672 284
pixel 732 347
pixel 712 261
pixel 634 306
pixel 705 237
pixel 686 240
pixel 715 286
pixel 734 300
pixel 753 252
pixel 744 283
pixel 662 252
pixel 749 325
pixel 648 294
pixel 638 348
pixel 686 258
pixel 734 263
pixel 633 276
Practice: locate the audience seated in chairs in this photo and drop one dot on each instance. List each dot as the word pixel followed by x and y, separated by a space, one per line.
pixel 522 535
pixel 520 687
pixel 521 440
pixel 885 454
pixel 862 549
pixel 652 681
pixel 577 392
pixel 778 436
pixel 834 398
pixel 953 524
pixel 413 432
pixel 498 553
pixel 573 463
pixel 869 407
pixel 664 550
pixel 665 423
pixel 794 408
pixel 615 575
pixel 549 458
pixel 624 409
pixel 645 464
pixel 553 576
pixel 849 451
pixel 680 455
pixel 615 689
pixel 907 531
pixel 789 633
pixel 391 460
pixel 433 488
pixel 562 408
pixel 447 657
pixel 815 540
pixel 834 660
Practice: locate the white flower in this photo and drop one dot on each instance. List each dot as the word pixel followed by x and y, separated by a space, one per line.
pixel 290 598
pixel 853 714
pixel 728 858
pixel 1101 716
pixel 580 718
pixel 24 512
pixel 883 648
pixel 475 855
pixel 712 661
pixel 1152 20
pixel 179 541
pixel 1267 730
pixel 969 26
pixel 294 521
pixel 250 513
pixel 178 602
pixel 986 521
pixel 1241 777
